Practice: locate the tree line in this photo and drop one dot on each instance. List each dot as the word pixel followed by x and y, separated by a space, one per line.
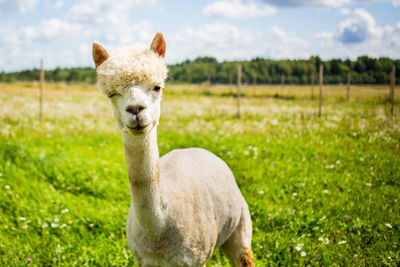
pixel 364 70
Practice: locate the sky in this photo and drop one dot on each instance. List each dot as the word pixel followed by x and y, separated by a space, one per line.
pixel 61 32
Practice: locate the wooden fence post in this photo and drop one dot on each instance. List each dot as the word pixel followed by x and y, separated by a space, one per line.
pixel 282 82
pixel 392 85
pixel 348 86
pixel 312 84
pixel 321 81
pixel 254 84
pixel 208 84
pixel 239 81
pixel 230 84
pixel 41 91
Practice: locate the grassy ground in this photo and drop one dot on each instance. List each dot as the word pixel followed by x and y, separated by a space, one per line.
pixel 322 191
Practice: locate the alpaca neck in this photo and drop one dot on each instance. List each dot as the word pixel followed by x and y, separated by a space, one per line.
pixel 143 165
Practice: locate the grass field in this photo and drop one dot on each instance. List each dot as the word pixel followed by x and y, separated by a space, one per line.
pixel 322 191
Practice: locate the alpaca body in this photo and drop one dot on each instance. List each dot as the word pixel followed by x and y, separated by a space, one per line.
pixel 208 204
pixel 185 204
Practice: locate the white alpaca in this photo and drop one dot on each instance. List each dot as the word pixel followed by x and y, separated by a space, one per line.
pixel 185 204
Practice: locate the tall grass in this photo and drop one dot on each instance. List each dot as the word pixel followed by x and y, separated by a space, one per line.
pixel 322 191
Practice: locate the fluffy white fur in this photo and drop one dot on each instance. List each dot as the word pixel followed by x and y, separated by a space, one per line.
pixel 185 204
pixel 131 66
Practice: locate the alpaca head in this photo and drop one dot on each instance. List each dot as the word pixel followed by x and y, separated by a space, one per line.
pixel 133 78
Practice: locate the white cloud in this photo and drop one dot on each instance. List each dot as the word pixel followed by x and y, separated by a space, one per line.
pixel 323 3
pixel 125 34
pixel 345 11
pixel 18 6
pixel 391 35
pixel 312 3
pixel 216 35
pixel 222 40
pixel 116 24
pixel 49 30
pixel 238 9
pixel 329 3
pixel 360 27
pixel 324 38
pixel 288 37
pixel 112 22
pixel 10 38
pixel 360 35
pixel 228 42
pixel 324 35
pixel 58 4
pixel 105 11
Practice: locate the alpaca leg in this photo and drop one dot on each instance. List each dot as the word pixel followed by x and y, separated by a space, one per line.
pixel 238 246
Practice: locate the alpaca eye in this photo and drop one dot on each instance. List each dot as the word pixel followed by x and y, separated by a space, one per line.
pixel 112 95
pixel 157 88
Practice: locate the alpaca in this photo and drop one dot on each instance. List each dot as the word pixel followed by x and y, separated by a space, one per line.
pixel 185 204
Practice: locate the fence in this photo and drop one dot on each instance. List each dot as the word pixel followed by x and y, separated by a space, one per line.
pixel 283 93
pixel 284 90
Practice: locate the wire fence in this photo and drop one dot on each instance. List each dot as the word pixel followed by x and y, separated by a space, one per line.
pixel 321 92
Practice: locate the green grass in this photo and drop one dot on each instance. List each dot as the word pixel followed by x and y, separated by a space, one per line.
pixel 322 191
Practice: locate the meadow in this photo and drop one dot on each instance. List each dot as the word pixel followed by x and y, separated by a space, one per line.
pixel 321 191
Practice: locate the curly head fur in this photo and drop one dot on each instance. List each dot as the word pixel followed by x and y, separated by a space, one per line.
pixel 130 66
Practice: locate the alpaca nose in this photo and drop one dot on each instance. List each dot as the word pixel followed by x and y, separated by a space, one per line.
pixel 135 109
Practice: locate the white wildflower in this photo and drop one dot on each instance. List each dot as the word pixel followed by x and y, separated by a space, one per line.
pixel 260 192
pixel 389 225
pixel 65 211
pixel 303 254
pixel 22 218
pixel 342 242
pixel 7 187
pixel 299 246
pixel 54 225
pixel 324 240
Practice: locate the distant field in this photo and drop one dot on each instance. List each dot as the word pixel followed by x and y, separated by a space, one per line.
pixel 322 191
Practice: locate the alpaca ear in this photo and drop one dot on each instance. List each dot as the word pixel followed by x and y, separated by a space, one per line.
pixel 99 53
pixel 159 45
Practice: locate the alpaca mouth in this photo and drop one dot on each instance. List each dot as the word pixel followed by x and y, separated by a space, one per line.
pixel 138 129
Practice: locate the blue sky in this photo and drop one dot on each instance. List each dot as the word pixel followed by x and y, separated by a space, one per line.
pixel 61 32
